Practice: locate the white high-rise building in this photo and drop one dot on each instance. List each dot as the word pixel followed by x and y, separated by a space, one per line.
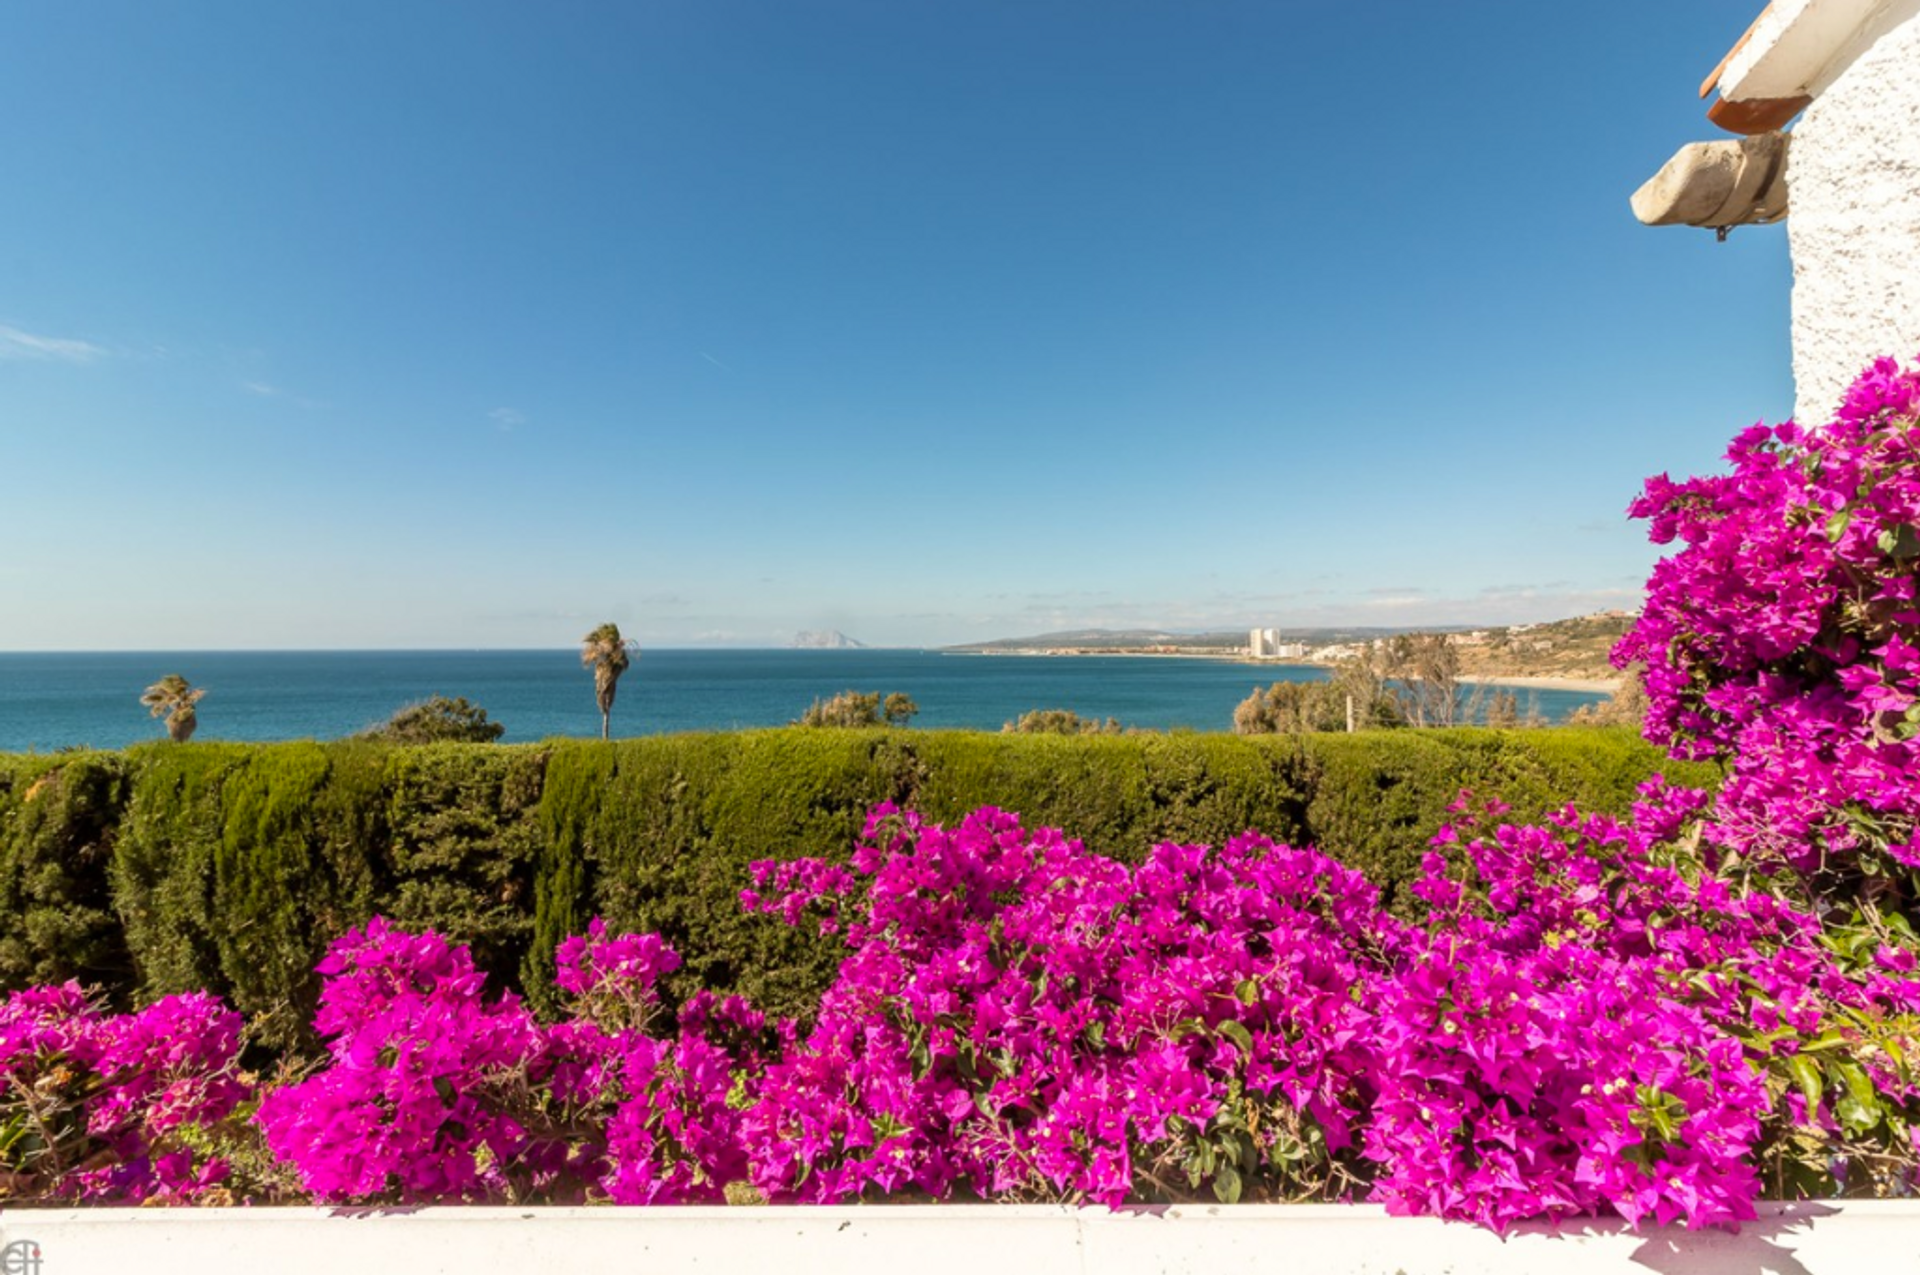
pixel 1265 644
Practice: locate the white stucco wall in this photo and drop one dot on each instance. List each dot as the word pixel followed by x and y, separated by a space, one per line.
pixel 1855 1237
pixel 1854 181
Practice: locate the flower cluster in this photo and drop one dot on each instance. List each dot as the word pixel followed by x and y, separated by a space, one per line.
pixel 1784 635
pixel 432 1092
pixel 1581 1024
pixel 103 1108
pixel 1019 1018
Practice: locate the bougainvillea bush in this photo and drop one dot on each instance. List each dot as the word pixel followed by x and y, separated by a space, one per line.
pixel 102 1108
pixel 1584 1022
pixel 1664 1017
pixel 1019 1018
pixel 1783 638
pixel 432 1092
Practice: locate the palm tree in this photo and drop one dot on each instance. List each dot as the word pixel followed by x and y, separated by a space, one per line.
pixel 173 698
pixel 605 652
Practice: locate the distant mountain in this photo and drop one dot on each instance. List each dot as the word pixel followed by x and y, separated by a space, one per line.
pixel 825 640
pixel 1113 638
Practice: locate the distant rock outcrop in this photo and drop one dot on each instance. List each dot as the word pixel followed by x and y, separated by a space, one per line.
pixel 825 640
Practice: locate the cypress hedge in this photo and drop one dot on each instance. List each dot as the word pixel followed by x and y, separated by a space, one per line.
pixel 168 867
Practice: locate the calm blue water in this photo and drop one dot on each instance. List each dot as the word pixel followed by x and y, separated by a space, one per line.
pixel 50 701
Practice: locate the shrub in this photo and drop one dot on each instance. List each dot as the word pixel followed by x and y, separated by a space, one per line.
pixel 439 720
pixel 1585 1019
pixel 1017 1018
pixel 857 709
pixel 104 1109
pixel 432 1092
pixel 1061 721
pixel 1780 638
pixel 60 817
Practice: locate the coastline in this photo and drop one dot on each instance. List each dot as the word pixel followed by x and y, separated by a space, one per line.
pixel 1591 685
pixel 1228 656
pixel 1518 681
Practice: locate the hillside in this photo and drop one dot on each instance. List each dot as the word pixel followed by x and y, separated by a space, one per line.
pixel 1099 641
pixel 1576 648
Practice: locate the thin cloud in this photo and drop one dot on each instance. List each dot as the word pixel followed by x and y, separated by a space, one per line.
pixel 507 418
pixel 18 345
pixel 716 362
pixel 266 389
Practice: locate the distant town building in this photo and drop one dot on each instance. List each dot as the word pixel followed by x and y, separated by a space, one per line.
pixel 1265 644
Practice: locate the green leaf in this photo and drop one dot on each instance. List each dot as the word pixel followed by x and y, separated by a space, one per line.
pixel 1903 542
pixel 1237 1032
pixel 1659 1112
pixel 1855 1118
pixel 1806 1074
pixel 1859 1086
pixel 1226 1185
pixel 1837 524
pixel 1247 991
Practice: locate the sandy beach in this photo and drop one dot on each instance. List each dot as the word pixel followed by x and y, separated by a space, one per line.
pixel 1605 685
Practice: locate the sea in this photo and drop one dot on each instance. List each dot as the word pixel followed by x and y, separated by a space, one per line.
pixel 51 701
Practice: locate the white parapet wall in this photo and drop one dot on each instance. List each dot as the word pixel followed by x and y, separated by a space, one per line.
pixel 1855 1238
pixel 1853 176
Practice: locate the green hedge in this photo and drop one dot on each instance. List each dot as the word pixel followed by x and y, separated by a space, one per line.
pixel 231 866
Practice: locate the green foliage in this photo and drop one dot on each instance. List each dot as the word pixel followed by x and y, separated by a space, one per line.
pixel 59 817
pixel 230 866
pixel 671 835
pixel 858 709
pixel 462 838
pixel 238 864
pixel 276 897
pixel 578 774
pixel 1625 707
pixel 1061 721
pixel 1293 708
pixel 1378 797
pixel 439 719
pixel 162 870
pixel 1093 786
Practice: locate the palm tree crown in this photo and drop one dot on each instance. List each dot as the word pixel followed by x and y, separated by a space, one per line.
pixel 173 698
pixel 605 652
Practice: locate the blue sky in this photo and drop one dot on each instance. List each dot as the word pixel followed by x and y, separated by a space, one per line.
pixel 420 325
